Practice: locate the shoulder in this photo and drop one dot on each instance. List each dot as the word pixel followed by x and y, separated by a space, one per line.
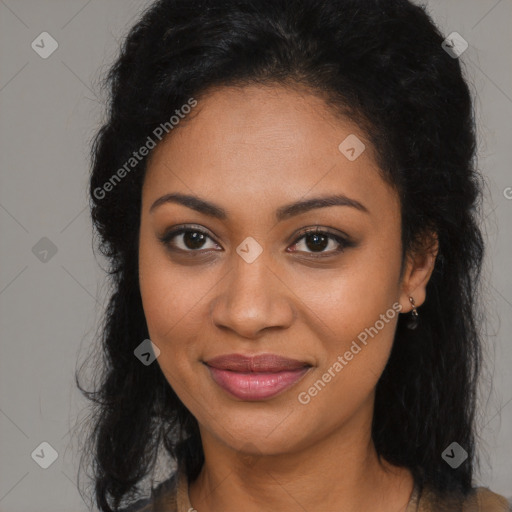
pixel 487 501
pixel 480 499
pixel 164 495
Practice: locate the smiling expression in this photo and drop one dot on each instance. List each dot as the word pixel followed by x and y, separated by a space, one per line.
pixel 259 169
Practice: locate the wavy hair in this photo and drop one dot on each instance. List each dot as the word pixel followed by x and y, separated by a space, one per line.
pixel 379 62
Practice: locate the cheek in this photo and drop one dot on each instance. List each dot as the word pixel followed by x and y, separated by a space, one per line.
pixel 169 308
pixel 350 298
pixel 171 294
pixel 175 300
pixel 353 358
pixel 168 299
pixel 355 314
pixel 171 301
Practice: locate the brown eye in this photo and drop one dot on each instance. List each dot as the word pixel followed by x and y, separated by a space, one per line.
pixel 194 239
pixel 187 240
pixel 315 241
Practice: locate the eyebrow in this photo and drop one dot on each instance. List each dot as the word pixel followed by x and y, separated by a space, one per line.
pixel 282 213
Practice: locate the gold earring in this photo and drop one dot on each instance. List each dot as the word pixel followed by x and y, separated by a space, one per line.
pixel 413 320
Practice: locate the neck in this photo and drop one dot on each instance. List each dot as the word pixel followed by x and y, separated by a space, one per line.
pixel 339 472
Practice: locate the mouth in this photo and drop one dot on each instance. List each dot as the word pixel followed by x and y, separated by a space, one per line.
pixel 258 377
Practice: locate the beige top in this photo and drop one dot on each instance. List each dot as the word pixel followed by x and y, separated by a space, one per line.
pixel 172 497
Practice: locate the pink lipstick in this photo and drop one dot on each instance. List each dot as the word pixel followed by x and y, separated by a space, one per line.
pixel 256 377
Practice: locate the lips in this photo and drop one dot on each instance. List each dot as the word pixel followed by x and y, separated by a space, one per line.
pixel 256 377
pixel 268 363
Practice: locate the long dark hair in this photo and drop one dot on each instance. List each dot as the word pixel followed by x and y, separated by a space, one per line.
pixel 379 62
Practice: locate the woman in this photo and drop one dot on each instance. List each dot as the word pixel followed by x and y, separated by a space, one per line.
pixel 287 195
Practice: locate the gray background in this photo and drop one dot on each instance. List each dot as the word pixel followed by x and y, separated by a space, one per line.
pixel 49 110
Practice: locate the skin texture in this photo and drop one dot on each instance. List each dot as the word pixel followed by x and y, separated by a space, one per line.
pixel 250 151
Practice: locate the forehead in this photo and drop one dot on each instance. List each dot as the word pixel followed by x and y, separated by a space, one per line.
pixel 265 145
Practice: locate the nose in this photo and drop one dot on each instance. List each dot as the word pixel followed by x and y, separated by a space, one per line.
pixel 252 298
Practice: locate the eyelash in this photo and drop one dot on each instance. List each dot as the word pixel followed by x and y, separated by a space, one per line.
pixel 343 242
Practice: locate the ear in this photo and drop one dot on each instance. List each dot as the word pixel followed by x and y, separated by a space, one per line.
pixel 418 269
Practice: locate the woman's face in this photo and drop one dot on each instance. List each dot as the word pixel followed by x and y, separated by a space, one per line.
pixel 246 280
